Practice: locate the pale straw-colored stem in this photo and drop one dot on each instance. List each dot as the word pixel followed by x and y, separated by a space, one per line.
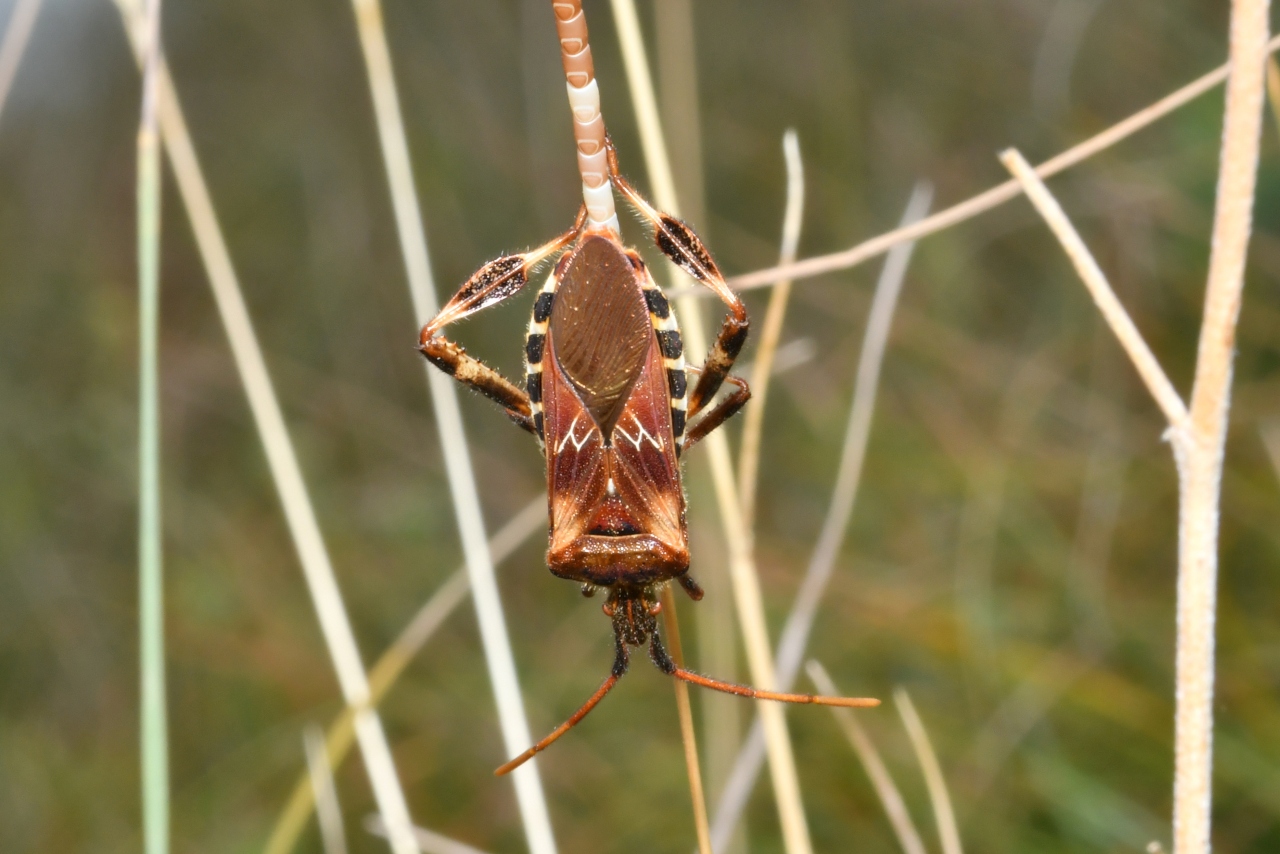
pixel 1273 89
pixel 462 485
pixel 742 570
pixel 1200 460
pixel 672 626
pixel 429 842
pixel 1271 440
pixel 384 674
pixel 281 457
pixel 895 808
pixel 1166 397
pixel 991 198
pixel 320 774
pixel 154 724
pixel 676 49
pixel 795 634
pixel 770 334
pixel 16 36
pixel 943 814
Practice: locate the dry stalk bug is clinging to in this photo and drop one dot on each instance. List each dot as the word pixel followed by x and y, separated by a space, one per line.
pixel 606 392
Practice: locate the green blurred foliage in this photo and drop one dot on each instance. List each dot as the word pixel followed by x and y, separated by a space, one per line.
pixel 1013 550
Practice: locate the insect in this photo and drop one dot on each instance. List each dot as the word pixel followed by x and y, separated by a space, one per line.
pixel 606 392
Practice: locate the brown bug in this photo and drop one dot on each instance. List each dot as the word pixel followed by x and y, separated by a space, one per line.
pixel 606 392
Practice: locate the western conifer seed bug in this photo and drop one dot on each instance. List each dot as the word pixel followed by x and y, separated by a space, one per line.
pixel 606 392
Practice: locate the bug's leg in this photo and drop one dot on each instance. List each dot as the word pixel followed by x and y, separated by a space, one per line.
pixel 660 657
pixel 491 284
pixel 621 659
pixel 498 280
pixel 679 243
pixel 470 371
pixel 691 587
pixel 718 414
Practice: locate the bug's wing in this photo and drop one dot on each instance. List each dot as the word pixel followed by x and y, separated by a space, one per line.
pixel 576 474
pixel 601 328
pixel 646 469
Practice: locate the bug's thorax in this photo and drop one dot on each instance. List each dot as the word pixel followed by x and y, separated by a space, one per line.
pixel 617 508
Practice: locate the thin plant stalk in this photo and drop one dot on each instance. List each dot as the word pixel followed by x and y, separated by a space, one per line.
pixel 795 634
pixel 513 722
pixel 388 669
pixel 943 813
pixel 429 842
pixel 1200 460
pixel 1270 432
pixel 320 773
pixel 17 34
pixel 281 457
pixel 994 197
pixel 895 808
pixel 675 37
pixel 771 333
pixel 1273 89
pixel 154 716
pixel 1197 433
pixel 672 626
pixel 1153 376
pixel 746 583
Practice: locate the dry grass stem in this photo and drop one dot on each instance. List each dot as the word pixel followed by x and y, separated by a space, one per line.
pixel 672 626
pixel 281 457
pixel 320 773
pixel 429 842
pixel 1200 461
pixel 1157 382
pixel 384 674
pixel 462 485
pixel 1273 89
pixel 795 634
pixel 770 333
pixel 895 807
pixel 746 583
pixel 943 814
pixel 16 36
pixel 1270 431
pixel 154 723
pixel 991 198
pixel 676 47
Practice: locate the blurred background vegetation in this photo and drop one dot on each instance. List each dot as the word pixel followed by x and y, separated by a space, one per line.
pixel 1012 555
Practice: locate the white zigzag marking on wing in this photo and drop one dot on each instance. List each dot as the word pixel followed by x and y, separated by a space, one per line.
pixel 570 437
pixel 641 437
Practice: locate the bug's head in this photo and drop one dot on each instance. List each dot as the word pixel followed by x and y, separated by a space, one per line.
pixel 634 611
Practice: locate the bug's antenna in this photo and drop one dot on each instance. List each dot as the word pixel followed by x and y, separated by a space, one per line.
pixel 619 670
pixel 660 657
pixel 588 123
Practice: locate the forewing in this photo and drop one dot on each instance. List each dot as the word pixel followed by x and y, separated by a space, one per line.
pixel 576 476
pixel 646 469
pixel 601 326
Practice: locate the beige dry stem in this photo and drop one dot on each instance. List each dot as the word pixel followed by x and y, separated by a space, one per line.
pixel 746 583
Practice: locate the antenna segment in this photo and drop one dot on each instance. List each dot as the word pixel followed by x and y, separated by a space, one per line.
pixel 588 123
